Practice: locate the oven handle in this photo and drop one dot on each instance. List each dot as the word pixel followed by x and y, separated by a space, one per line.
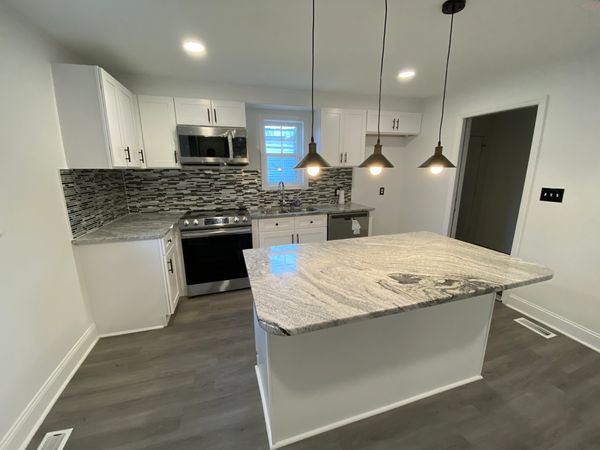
pixel 204 233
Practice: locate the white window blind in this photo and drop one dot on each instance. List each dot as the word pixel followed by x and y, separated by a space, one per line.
pixel 283 144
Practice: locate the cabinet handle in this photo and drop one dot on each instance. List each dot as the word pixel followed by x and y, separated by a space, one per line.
pixel 142 156
pixel 297 238
pixel 341 157
pixel 170 263
pixel 175 154
pixel 345 157
pixel 128 157
pixel 208 114
pixel 292 238
pixel 215 115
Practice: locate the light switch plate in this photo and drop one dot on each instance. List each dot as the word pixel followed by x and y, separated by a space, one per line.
pixel 552 195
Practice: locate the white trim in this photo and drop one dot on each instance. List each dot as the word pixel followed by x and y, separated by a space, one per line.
pixel 373 412
pixel 23 429
pixel 536 144
pixel 136 330
pixel 264 406
pixel 578 333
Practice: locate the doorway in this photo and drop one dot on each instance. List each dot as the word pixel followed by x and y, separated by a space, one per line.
pixel 492 171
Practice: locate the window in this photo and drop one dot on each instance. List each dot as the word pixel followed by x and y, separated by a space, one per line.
pixel 283 144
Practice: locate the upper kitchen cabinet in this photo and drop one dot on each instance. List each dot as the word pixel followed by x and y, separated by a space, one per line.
pixel 216 113
pixel 158 128
pixel 394 123
pixel 342 136
pixel 98 118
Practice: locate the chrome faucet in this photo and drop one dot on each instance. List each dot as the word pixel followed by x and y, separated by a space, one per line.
pixel 281 187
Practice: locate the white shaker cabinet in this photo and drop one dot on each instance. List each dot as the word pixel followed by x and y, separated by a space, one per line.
pixel 204 112
pixel 394 123
pixel 159 134
pixel 289 230
pixel 342 136
pixel 97 117
pixel 131 285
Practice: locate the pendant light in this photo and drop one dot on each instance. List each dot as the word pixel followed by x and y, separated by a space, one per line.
pixel 438 161
pixel 376 162
pixel 312 162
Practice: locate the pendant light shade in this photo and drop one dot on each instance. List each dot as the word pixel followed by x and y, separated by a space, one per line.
pixel 438 162
pixel 312 161
pixel 377 162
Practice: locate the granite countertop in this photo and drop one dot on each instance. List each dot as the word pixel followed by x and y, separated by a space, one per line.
pixel 307 287
pixel 265 213
pixel 132 227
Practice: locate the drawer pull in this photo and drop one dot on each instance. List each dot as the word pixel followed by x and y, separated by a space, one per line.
pixel 276 224
pixel 311 221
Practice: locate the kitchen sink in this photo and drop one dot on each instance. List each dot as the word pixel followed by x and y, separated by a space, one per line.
pixel 289 209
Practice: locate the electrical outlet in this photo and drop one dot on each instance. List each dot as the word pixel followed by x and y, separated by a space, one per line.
pixel 381 190
pixel 552 195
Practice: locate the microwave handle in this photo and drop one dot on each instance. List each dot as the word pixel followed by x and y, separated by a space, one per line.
pixel 230 144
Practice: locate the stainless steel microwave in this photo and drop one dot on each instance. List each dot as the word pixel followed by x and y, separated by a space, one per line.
pixel 212 145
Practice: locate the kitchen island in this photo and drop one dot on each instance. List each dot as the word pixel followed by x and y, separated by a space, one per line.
pixel 351 328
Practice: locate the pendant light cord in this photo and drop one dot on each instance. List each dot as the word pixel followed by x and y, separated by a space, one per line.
pixel 312 82
pixel 381 68
pixel 446 80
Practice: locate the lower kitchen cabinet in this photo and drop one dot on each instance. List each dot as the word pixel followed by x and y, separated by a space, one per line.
pixel 131 285
pixel 289 230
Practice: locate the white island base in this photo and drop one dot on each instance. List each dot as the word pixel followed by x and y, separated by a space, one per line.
pixel 313 382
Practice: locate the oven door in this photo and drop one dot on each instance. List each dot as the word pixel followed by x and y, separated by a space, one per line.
pixel 204 145
pixel 214 261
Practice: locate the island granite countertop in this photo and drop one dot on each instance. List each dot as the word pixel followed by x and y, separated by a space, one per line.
pixel 132 227
pixel 266 213
pixel 307 287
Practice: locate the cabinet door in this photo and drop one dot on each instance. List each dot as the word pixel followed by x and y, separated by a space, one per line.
pixel 129 136
pixel 171 268
pixel 271 238
pixel 305 236
pixel 354 123
pixel 157 117
pixel 193 111
pixel 330 140
pixel 387 125
pixel 228 114
pixel 408 124
pixel 110 88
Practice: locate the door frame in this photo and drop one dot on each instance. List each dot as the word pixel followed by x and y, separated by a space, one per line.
pixel 462 143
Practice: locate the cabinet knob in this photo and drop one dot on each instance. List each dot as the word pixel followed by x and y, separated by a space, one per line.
pixel 276 224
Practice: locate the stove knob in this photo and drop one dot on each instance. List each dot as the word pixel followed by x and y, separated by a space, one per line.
pixel 244 219
pixel 196 222
pixel 186 222
pixel 236 219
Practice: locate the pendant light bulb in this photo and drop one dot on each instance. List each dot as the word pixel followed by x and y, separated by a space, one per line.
pixel 436 170
pixel 375 170
pixel 313 171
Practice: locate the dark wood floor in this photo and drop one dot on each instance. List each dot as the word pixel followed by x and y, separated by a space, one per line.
pixel 192 386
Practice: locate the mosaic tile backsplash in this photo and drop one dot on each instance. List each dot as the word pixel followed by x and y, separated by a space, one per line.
pixel 95 197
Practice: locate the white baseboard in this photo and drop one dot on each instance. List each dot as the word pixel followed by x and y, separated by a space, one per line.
pixel 349 420
pixel 565 326
pixel 30 419
pixel 136 330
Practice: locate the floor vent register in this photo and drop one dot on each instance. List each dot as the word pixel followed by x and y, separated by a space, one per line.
pixel 55 440
pixel 535 327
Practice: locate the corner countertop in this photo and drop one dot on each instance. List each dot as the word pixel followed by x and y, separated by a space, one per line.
pixel 266 213
pixel 133 227
pixel 307 287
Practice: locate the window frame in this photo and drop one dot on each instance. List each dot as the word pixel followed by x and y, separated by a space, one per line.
pixel 264 119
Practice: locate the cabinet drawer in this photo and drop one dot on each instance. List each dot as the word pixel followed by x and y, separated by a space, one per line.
pixel 310 221
pixel 169 240
pixel 276 224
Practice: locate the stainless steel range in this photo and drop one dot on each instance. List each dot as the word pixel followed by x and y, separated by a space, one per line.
pixel 212 243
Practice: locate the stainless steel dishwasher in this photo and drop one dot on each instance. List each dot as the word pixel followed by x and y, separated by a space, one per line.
pixel 347 225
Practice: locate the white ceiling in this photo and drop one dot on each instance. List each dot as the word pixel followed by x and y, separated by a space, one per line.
pixel 267 42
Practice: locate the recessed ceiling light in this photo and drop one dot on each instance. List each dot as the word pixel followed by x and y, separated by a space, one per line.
pixel 194 47
pixel 407 74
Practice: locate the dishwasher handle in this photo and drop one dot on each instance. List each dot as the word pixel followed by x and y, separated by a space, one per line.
pixel 348 216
